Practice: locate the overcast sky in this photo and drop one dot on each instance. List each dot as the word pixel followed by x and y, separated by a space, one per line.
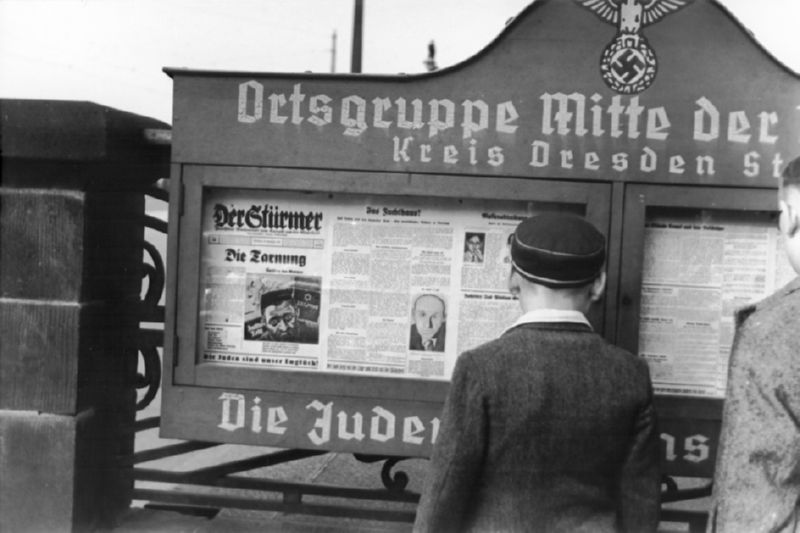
pixel 112 51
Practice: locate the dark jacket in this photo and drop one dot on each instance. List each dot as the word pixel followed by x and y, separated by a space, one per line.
pixel 757 477
pixel 415 339
pixel 549 428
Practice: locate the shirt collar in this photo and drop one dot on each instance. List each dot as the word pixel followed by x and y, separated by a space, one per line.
pixel 550 315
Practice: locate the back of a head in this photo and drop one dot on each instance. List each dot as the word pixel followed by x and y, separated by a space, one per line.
pixel 791 175
pixel 558 250
pixel 789 217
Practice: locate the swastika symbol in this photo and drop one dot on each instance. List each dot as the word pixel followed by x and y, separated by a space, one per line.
pixel 628 65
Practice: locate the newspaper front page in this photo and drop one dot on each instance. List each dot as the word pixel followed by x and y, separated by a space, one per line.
pixel 349 283
pixel 697 272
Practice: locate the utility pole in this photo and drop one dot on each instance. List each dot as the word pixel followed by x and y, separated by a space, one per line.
pixel 358 19
pixel 333 52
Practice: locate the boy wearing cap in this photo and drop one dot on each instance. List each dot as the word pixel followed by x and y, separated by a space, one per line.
pixel 757 477
pixel 549 427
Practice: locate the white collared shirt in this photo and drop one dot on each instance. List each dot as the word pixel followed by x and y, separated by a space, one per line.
pixel 550 315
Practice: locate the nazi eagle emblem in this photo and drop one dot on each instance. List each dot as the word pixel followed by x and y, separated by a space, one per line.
pixel 628 64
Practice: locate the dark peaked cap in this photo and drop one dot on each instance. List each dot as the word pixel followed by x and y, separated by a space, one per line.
pixel 275 297
pixel 558 250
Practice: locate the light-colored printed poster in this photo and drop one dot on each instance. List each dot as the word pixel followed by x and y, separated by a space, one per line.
pixel 352 283
pixel 697 271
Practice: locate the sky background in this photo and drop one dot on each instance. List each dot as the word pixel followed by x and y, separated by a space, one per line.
pixel 112 51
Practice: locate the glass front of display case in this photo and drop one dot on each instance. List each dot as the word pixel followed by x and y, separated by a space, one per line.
pixel 699 267
pixel 691 258
pixel 360 283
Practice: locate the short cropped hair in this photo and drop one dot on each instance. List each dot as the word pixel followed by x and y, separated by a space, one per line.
pixel 791 174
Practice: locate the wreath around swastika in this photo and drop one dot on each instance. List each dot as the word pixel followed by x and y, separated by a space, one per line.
pixel 621 58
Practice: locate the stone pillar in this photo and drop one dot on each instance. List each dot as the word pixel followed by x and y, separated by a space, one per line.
pixel 70 278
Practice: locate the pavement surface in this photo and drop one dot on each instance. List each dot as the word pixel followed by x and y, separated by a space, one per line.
pixel 151 521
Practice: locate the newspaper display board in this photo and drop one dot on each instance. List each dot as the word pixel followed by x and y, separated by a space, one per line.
pixel 699 267
pixel 294 337
pixel 350 283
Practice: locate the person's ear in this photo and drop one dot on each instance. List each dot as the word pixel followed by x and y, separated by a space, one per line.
pixel 791 218
pixel 598 287
pixel 513 283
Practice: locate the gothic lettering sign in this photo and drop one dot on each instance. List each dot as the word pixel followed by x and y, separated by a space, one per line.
pixel 532 104
pixel 308 421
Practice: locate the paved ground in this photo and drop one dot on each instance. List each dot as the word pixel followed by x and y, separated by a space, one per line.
pixel 149 521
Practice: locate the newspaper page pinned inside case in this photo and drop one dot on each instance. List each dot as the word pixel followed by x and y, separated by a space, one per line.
pixel 351 283
pixel 698 269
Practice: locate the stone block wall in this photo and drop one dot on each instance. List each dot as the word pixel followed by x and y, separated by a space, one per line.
pixel 71 234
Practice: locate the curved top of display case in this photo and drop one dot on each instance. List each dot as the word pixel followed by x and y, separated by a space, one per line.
pixel 673 91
